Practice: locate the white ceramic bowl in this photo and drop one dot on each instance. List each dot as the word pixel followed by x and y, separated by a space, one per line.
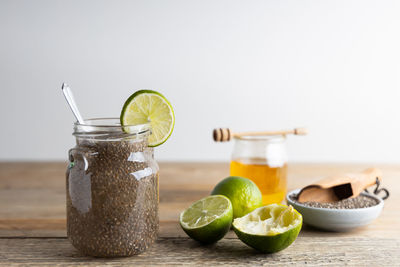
pixel 337 219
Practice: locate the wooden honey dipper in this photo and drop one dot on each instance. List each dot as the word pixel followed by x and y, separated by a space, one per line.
pixel 225 134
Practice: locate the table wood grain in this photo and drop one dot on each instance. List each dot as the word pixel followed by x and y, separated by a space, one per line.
pixel 33 230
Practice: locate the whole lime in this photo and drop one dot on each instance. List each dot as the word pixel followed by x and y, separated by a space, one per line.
pixel 242 192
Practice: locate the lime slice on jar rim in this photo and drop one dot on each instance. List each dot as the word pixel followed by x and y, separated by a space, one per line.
pixel 148 106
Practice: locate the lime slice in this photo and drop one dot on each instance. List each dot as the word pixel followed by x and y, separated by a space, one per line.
pixel 147 106
pixel 242 192
pixel 270 228
pixel 207 220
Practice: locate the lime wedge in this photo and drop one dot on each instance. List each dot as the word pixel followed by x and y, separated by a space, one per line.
pixel 148 106
pixel 270 228
pixel 207 220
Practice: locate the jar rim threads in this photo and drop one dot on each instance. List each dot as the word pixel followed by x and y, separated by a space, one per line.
pixel 110 128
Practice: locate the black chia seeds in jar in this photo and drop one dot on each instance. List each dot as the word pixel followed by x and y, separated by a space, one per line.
pixel 112 189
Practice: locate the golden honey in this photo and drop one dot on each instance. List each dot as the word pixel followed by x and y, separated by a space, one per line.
pixel 270 180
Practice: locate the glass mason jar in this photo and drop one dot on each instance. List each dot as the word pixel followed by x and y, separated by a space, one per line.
pixel 262 159
pixel 112 189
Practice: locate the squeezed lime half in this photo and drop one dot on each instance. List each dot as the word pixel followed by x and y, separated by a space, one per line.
pixel 270 228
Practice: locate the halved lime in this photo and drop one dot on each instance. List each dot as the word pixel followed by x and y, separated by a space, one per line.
pixel 207 220
pixel 270 228
pixel 148 106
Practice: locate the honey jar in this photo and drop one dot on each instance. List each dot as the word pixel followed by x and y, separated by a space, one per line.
pixel 262 159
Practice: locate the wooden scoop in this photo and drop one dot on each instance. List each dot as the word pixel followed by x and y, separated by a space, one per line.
pixel 225 134
pixel 339 187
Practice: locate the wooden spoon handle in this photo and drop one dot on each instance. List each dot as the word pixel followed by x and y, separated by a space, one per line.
pixel 364 179
pixel 225 134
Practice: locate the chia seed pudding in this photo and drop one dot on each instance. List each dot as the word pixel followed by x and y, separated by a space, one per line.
pixel 359 202
pixel 112 193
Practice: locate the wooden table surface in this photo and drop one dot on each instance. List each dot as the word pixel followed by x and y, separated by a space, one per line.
pixel 32 222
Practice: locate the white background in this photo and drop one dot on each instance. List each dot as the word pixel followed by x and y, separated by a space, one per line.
pixel 332 66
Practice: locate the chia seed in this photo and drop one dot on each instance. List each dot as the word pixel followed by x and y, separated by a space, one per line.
pixel 112 197
pixel 359 202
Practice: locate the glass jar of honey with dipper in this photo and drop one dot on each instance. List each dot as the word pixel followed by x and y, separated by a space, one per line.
pixel 262 158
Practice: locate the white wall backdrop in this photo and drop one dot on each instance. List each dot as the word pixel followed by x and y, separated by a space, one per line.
pixel 333 66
